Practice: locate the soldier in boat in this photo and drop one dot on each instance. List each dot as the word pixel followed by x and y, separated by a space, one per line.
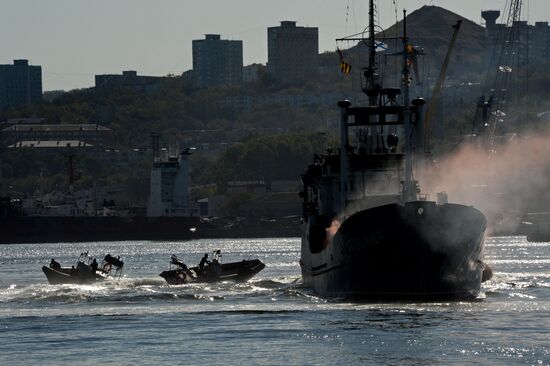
pixel 217 257
pixel 94 265
pixel 216 263
pixel 204 261
pixel 55 265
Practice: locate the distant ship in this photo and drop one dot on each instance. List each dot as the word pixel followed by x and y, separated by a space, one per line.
pixel 368 232
pixel 170 216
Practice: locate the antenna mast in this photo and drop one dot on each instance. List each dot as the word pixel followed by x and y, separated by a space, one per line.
pixel 372 88
pixel 372 51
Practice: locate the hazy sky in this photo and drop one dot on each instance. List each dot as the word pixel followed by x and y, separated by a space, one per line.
pixel 75 39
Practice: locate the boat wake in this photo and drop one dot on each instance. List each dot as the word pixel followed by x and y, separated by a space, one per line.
pixel 143 291
pixel 40 293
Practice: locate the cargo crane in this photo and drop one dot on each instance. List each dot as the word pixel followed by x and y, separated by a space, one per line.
pixel 491 106
pixel 439 85
pixel 492 113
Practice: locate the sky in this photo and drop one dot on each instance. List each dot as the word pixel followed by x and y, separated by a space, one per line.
pixel 73 40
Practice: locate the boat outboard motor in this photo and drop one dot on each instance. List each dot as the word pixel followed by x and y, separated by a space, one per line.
pixel 174 260
pixel 114 261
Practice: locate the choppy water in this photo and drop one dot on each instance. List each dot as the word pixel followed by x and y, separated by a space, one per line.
pixel 271 320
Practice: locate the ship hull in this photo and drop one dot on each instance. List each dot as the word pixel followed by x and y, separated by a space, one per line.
pixel 417 250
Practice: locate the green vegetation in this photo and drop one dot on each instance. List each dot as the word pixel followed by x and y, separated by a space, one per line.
pixel 175 108
pixel 266 158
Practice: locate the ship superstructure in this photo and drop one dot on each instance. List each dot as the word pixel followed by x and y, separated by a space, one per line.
pixel 169 195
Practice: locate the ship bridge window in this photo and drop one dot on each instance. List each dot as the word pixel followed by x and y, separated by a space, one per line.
pixel 392 118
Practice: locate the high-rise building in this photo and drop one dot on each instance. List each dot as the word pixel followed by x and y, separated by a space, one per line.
pixel 540 40
pixel 20 84
pixel 292 53
pixel 217 61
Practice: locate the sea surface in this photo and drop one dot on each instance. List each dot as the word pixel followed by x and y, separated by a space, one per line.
pixel 270 320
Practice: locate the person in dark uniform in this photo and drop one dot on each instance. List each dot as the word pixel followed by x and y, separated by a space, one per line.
pixel 217 257
pixel 216 263
pixel 94 265
pixel 204 261
pixel 55 265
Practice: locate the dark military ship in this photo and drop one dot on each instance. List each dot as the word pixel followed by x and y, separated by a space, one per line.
pixel 368 231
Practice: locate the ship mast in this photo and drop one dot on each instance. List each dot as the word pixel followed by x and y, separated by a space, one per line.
pixel 374 116
pixel 371 88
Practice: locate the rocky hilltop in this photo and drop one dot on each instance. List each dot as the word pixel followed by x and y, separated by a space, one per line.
pixel 430 27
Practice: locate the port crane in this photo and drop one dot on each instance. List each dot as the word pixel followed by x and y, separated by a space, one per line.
pixel 439 85
pixel 492 104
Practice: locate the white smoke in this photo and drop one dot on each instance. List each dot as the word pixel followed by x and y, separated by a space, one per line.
pixel 504 184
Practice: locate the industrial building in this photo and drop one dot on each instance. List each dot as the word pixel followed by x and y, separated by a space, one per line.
pixel 57 136
pixel 128 79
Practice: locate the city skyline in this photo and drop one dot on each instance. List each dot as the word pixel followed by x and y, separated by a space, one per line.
pixel 74 40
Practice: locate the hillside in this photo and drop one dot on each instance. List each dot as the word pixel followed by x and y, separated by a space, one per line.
pixel 431 25
pixel 430 28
